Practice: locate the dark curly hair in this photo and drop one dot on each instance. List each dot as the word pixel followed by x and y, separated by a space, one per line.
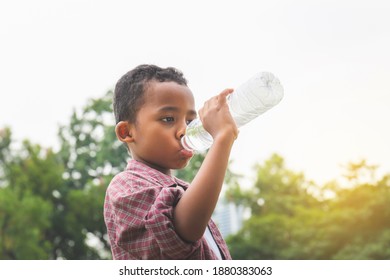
pixel 130 89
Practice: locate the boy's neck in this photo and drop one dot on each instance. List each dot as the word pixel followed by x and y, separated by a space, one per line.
pixel 155 167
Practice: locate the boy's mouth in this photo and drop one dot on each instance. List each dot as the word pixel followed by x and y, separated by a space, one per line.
pixel 186 153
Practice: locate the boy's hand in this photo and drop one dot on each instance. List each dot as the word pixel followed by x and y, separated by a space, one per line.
pixel 216 118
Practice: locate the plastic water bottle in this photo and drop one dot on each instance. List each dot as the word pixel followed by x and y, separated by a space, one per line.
pixel 253 98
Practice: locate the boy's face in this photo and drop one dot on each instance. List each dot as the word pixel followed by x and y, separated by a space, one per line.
pixel 161 121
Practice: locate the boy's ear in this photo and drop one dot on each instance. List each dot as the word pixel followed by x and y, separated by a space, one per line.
pixel 123 132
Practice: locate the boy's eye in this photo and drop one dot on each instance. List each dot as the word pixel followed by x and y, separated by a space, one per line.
pixel 168 119
pixel 189 121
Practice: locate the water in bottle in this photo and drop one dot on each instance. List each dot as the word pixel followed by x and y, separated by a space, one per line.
pixel 253 98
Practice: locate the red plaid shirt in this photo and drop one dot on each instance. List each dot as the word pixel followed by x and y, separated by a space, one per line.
pixel 138 212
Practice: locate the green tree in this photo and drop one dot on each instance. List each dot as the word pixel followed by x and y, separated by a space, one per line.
pixel 91 155
pixel 366 219
pixel 25 215
pixel 89 148
pixel 276 198
pixel 61 193
pixel 292 218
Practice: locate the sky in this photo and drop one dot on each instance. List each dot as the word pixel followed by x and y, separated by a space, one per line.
pixel 332 58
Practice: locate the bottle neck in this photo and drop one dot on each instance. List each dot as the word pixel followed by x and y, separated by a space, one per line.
pixel 184 142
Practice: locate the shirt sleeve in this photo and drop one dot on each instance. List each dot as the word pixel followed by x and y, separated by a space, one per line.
pixel 144 220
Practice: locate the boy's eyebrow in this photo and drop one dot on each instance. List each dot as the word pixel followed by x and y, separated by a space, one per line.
pixel 175 109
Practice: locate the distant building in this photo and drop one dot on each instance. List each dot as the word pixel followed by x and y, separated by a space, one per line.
pixel 228 217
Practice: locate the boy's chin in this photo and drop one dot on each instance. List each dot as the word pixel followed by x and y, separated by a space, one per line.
pixel 184 163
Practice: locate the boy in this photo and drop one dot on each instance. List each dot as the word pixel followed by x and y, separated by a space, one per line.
pixel 149 213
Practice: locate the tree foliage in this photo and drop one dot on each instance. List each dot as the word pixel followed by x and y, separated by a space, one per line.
pixel 292 218
pixel 91 156
pixel 51 204
pixel 28 179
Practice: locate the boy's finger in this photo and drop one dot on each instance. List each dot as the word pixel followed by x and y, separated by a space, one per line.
pixel 222 96
pixel 226 92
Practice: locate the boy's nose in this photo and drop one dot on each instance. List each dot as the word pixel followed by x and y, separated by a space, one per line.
pixel 181 132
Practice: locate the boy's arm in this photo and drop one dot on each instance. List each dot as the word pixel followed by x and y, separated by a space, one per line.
pixel 194 210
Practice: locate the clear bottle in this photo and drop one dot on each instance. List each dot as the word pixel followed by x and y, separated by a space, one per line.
pixel 253 98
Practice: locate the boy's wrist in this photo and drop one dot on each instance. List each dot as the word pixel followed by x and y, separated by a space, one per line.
pixel 224 138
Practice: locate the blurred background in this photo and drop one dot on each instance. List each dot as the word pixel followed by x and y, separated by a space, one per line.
pixel 307 180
